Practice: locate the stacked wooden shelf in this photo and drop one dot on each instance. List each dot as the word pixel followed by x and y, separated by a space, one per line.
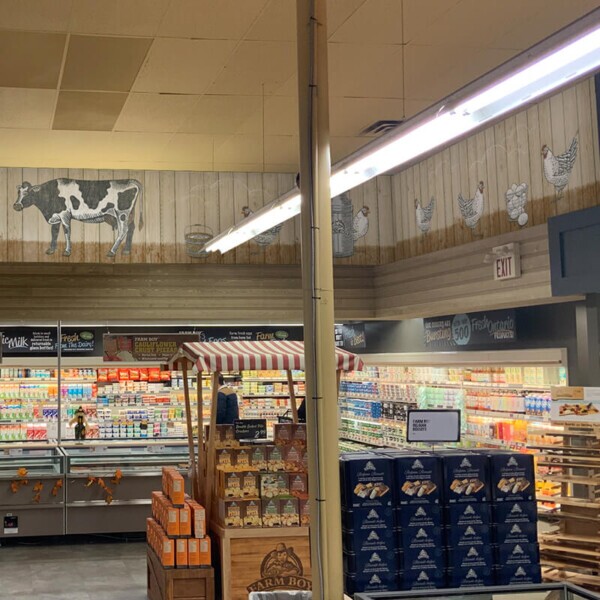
pixel 571 551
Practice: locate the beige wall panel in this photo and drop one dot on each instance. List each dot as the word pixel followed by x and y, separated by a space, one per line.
pixel 91 248
pixel 14 218
pixel 4 191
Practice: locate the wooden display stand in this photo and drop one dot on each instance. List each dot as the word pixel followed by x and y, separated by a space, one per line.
pixel 571 552
pixel 260 560
pixel 178 584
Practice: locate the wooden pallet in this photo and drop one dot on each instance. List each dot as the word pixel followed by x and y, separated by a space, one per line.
pixel 178 584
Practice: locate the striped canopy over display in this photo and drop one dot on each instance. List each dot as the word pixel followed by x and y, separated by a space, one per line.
pixel 257 356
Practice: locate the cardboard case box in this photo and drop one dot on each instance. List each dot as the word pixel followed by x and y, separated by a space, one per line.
pixel 366 480
pixel 516 533
pixel 419 515
pixel 466 477
pixel 418 478
pixel 468 535
pixel 423 579
pixel 473 513
pixel 377 517
pixel 470 577
pixel 464 557
pixel 513 555
pixel 367 563
pixel 521 574
pixel 356 583
pixel 425 558
pixel 506 513
pixel 512 477
pixel 420 537
pixel 369 540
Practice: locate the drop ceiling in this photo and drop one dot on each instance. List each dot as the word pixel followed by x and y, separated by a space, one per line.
pixel 211 84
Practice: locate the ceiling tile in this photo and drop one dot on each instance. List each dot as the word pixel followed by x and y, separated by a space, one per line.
pixel 220 114
pixel 239 149
pixel 343 146
pixel 183 66
pixel 27 109
pixel 448 68
pixel 289 88
pixel 338 11
pixel 117 17
pixel 155 112
pixel 281 115
pixel 414 106
pixel 277 22
pixel 419 16
pixel 365 70
pixel 36 15
pixel 349 116
pixel 103 63
pixel 257 68
pixel 207 19
pixel 190 147
pixel 35 59
pixel 282 150
pixel 90 111
pixel 374 22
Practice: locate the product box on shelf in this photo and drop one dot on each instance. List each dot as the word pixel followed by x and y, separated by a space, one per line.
pixel 258 457
pixel 512 476
pixel 513 555
pixel 289 511
pixel 470 577
pixel 304 510
pixel 198 518
pixel 366 480
pixel 423 579
pixel 299 485
pixel 508 513
pixel 238 484
pixel 424 559
pixel 518 574
pixel 274 459
pixel 273 485
pixel 363 519
pixel 466 477
pixel 181 553
pixel 251 514
pixel 369 540
pixel 462 557
pixel 283 433
pixel 358 582
pixel 463 515
pixel 414 539
pixel 230 512
pixel 367 563
pixel 468 535
pixel 293 459
pixel 419 515
pixel 516 533
pixel 271 512
pixel 418 478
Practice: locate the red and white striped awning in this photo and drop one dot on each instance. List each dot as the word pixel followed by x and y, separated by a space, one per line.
pixel 256 356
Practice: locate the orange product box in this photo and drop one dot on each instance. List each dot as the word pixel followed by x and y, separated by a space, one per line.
pixel 185 521
pixel 123 374
pixel 204 544
pixel 172 520
pixel 198 518
pixel 167 552
pixel 193 552
pixel 181 554
pixel 177 488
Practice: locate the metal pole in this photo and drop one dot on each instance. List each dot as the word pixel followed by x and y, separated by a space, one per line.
pixel 59 379
pixel 317 283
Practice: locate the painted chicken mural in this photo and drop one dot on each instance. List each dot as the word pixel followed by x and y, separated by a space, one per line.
pixel 266 238
pixel 424 214
pixel 471 209
pixel 557 169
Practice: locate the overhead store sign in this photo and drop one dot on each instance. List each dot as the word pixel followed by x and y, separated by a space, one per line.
pixel 18 341
pixel 158 347
pixel 471 329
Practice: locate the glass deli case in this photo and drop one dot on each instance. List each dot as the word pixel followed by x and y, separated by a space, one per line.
pixel 109 486
pixel 32 492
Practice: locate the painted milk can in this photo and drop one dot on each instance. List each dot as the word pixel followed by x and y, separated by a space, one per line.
pixel 342 223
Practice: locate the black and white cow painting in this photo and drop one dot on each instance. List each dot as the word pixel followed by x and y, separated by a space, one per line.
pixel 108 201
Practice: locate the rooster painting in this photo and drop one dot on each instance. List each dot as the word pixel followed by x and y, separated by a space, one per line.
pixel 360 224
pixel 266 238
pixel 557 169
pixel 424 214
pixel 471 209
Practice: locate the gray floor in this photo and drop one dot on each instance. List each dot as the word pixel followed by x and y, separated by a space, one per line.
pixel 74 572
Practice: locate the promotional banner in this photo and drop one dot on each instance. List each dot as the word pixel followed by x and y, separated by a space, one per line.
pixel 18 341
pixel 143 348
pixel 471 329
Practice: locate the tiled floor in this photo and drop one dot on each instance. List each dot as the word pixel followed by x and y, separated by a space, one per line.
pixel 83 571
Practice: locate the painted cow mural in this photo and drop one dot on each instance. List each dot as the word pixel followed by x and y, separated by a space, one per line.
pixel 62 200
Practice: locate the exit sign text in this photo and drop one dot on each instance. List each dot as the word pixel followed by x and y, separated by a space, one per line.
pixel 507 262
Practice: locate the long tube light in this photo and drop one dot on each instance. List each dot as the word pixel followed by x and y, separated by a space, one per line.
pixel 563 58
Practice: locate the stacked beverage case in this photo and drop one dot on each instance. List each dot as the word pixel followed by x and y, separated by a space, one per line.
pixel 422 520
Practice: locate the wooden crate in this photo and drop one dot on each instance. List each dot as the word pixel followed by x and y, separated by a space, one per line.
pixel 257 560
pixel 178 584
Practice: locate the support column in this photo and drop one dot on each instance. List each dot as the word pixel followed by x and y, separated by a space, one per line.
pixel 587 324
pixel 317 282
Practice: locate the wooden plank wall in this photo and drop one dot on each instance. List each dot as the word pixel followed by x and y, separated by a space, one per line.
pixel 190 293
pixel 461 279
pixel 504 154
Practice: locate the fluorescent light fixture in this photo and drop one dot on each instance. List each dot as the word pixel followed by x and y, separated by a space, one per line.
pixel 568 55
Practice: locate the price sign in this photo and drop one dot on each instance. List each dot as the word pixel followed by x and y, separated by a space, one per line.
pixel 250 429
pixel 15 451
pixel 433 426
pixel 461 330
